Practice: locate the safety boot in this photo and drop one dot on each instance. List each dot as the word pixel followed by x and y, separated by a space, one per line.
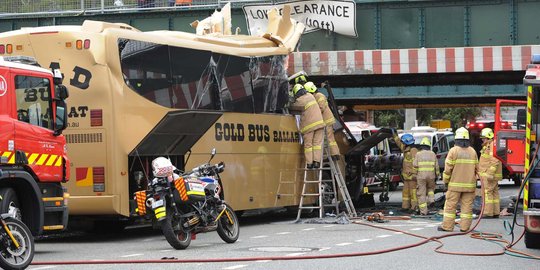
pixel 316 165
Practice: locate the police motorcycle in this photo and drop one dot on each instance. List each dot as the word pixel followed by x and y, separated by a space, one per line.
pixel 16 243
pixel 189 203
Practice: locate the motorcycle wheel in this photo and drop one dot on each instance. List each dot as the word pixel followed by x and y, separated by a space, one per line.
pixel 228 229
pixel 10 256
pixel 171 228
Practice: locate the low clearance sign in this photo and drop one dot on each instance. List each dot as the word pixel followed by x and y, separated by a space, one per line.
pixel 335 16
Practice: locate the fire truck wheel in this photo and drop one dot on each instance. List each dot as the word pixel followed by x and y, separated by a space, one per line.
pixel 532 240
pixel 10 202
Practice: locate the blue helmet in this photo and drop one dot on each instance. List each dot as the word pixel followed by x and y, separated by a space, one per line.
pixel 407 139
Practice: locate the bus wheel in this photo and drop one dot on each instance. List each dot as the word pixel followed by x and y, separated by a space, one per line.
pixel 532 240
pixel 393 186
pixel 10 203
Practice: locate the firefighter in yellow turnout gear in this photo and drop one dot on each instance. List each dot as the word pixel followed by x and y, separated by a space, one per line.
pixel 406 144
pixel 490 172
pixel 328 118
pixel 427 170
pixel 311 125
pixel 460 170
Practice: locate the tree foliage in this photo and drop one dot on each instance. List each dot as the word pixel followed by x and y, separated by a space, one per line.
pixel 457 116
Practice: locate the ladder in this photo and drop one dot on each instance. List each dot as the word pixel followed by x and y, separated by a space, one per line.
pixel 327 164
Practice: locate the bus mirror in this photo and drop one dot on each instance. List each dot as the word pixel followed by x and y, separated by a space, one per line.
pixel 521 118
pixel 61 92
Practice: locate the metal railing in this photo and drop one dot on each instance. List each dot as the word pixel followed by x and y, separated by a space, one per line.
pixel 44 8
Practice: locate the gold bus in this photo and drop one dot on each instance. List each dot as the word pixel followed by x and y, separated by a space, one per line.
pixel 138 95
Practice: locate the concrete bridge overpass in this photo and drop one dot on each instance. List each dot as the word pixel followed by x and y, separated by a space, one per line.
pixel 461 75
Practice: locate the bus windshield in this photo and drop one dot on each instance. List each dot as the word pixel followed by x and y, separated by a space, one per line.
pixel 185 78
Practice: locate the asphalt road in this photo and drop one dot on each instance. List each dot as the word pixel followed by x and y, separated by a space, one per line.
pixel 274 235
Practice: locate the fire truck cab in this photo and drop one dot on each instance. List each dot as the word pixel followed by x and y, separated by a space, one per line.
pixel 33 160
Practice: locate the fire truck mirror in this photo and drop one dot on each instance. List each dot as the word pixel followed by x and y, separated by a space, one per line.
pixel 61 92
pixel 61 117
pixel 521 118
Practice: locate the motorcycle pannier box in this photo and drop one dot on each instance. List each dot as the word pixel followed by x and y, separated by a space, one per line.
pixel 189 189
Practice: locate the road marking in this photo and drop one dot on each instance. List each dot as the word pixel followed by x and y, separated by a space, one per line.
pixel 263 261
pixel 236 266
pixel 259 236
pixel 308 229
pixel 148 239
pixel 328 226
pixel 430 225
pixel 324 248
pixel 44 267
pixel 295 254
pixel 362 240
pixel 383 236
pixel 416 229
pixel 282 233
pixel 202 245
pixel 418 222
pixel 132 255
pixel 344 244
pixel 398 233
pixel 166 250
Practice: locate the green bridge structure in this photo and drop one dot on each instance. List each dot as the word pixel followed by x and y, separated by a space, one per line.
pixel 405 53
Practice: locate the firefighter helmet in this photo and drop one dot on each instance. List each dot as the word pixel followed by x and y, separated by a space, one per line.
pixel 310 87
pixel 297 88
pixel 462 134
pixel 301 79
pixel 425 141
pixel 407 139
pixel 162 167
pixel 487 133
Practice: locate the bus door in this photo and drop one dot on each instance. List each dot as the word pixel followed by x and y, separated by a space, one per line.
pixel 510 134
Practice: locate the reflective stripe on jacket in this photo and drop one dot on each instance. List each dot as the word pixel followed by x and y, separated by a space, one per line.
pixel 311 118
pixel 489 166
pixel 460 169
pixel 426 165
pixel 327 115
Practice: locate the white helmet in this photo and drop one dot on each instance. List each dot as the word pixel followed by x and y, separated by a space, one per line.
pixel 162 167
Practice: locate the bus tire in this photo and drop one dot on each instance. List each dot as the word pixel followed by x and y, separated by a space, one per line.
pixel 532 240
pixel 393 186
pixel 10 202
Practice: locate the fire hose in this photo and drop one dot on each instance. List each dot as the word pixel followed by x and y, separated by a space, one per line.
pixel 377 217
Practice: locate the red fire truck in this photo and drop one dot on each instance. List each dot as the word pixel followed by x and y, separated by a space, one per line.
pixel 519 146
pixel 33 161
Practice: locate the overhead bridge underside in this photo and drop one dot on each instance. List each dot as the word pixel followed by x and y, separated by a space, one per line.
pixel 426 90
pixel 469 75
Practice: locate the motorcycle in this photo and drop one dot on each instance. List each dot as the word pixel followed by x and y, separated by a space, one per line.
pixel 189 203
pixel 16 243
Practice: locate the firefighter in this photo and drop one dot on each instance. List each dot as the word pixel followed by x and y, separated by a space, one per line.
pixel 406 144
pixel 311 125
pixel 459 176
pixel 490 172
pixel 328 118
pixel 427 170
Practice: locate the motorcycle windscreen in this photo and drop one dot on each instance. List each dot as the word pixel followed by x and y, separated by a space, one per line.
pixel 369 142
pixel 176 133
